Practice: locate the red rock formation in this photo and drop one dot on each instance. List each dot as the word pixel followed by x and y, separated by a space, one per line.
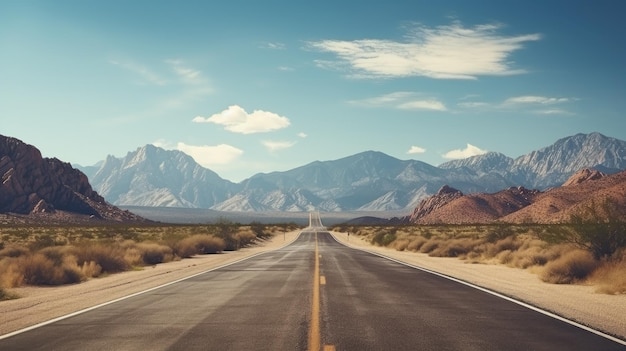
pixel 31 184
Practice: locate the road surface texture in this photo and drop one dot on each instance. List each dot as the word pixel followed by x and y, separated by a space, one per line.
pixel 314 294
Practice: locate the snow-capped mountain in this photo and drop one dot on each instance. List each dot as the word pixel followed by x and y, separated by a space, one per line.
pixel 549 166
pixel 151 176
pixel 368 181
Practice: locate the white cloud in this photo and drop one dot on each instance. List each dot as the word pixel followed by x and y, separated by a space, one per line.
pixel 433 105
pixel 237 120
pixel 404 100
pixel 444 52
pixel 302 135
pixel 469 151
pixel 383 100
pixel 278 145
pixel 553 111
pixel 211 156
pixel 416 150
pixel 539 100
pixel 187 74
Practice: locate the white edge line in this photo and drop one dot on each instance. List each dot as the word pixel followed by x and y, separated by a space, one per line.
pixel 39 325
pixel 494 293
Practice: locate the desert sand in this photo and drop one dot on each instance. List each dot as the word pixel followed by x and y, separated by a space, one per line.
pixel 579 303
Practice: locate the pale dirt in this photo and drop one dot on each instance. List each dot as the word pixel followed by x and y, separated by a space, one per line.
pixel 606 313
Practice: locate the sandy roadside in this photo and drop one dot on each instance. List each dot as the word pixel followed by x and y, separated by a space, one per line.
pixel 579 303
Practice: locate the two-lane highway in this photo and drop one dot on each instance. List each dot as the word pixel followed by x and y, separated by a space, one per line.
pixel 314 294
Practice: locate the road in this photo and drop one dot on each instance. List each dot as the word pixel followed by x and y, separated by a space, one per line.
pixel 314 294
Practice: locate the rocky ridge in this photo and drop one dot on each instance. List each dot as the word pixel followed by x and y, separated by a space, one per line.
pixel 521 205
pixel 47 188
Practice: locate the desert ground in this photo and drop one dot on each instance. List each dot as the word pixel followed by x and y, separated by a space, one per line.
pixel 576 302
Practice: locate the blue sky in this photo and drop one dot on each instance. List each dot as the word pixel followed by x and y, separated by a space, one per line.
pixel 259 86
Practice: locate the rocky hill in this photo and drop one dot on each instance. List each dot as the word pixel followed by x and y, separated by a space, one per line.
pixel 48 188
pixel 520 205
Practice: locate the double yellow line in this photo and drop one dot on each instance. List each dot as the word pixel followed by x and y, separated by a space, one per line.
pixel 314 328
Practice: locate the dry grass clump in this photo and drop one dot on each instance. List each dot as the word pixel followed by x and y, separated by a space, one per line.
pixel 573 267
pixel 416 243
pixel 199 244
pixel 610 276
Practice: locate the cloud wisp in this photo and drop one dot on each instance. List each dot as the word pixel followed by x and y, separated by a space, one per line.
pixel 469 151
pixel 403 100
pixel 273 146
pixel 529 103
pixel 235 119
pixel 146 74
pixel 445 52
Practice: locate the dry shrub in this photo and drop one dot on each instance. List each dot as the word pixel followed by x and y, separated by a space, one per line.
pixel 91 269
pixel 11 274
pixel 245 238
pixel 416 244
pixel 610 276
pixel 13 251
pixel 504 257
pixel 39 269
pixel 110 258
pixel 5 295
pixel 455 247
pixel 430 245
pixel 572 267
pixel 153 253
pixel 199 244
pixel 401 245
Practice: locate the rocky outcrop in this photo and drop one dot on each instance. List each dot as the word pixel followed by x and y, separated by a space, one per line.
pixel 444 196
pixel 31 184
pixel 583 176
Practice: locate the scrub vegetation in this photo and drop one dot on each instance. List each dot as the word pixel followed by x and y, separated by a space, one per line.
pixel 56 255
pixel 560 254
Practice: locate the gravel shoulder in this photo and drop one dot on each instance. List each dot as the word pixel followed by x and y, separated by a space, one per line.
pixel 576 302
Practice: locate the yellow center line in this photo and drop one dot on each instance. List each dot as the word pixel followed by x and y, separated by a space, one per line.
pixel 314 328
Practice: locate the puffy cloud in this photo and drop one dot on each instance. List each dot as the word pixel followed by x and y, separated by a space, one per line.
pixel 302 135
pixel 416 150
pixel 469 151
pixel 237 120
pixel 210 156
pixel 444 52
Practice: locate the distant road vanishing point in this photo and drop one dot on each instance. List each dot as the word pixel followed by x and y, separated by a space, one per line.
pixel 314 294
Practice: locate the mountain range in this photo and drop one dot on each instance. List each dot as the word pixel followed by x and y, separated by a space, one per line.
pixel 368 181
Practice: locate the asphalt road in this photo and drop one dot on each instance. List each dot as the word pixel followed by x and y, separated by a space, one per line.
pixel 313 294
